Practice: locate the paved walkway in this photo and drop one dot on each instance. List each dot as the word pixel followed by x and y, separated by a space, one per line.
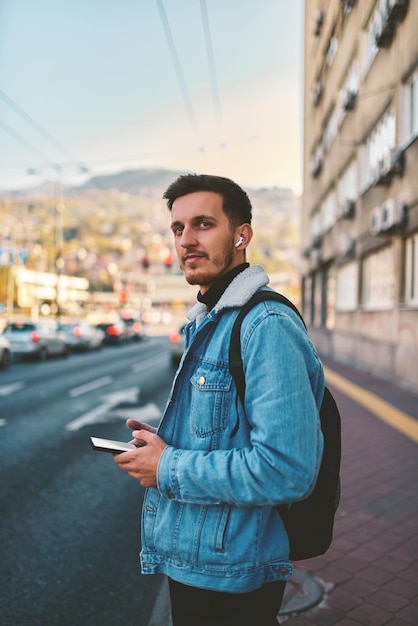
pixel 370 574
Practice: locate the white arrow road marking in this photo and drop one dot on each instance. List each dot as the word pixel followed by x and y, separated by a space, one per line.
pixel 7 390
pixel 94 384
pixel 99 413
pixel 148 413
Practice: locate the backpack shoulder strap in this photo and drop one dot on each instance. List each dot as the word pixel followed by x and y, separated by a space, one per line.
pixel 235 360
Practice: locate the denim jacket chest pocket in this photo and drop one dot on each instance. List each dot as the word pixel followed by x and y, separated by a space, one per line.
pixel 210 400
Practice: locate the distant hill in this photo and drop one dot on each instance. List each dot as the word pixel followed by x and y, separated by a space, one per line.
pixel 153 182
pixel 130 181
pixel 140 182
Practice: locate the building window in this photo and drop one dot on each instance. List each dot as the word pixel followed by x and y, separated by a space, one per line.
pixel 378 149
pixel 408 116
pixel 347 287
pixel 412 106
pixel 329 211
pixel 328 298
pixel 332 50
pixel 347 96
pixel 316 161
pixel 411 276
pixel 316 226
pixel 379 280
pixel 370 48
pixel 316 303
pixel 382 140
pixel 319 298
pixel 348 186
pixel 330 130
pixel 381 29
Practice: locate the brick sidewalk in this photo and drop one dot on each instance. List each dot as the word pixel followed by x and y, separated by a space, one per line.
pixel 371 570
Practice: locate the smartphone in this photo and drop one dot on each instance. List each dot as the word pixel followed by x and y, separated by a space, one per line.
pixel 108 445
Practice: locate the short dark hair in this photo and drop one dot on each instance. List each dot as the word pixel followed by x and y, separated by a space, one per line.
pixel 235 202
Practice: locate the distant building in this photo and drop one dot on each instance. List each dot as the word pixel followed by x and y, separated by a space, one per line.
pixel 31 293
pixel 360 203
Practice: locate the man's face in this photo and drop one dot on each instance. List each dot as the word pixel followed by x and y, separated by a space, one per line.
pixel 203 238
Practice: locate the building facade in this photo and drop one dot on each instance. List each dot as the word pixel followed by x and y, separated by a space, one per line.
pixel 360 200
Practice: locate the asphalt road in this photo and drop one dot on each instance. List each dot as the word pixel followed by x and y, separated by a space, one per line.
pixel 69 518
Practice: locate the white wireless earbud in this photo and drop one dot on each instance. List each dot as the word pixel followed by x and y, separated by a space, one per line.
pixel 239 242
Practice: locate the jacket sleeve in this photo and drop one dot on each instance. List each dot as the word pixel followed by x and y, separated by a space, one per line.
pixel 284 388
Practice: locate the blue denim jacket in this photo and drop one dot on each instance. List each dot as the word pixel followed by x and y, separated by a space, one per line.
pixel 212 521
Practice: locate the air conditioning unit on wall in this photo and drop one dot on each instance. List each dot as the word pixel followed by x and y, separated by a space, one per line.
pixel 391 164
pixel 376 221
pixel 347 246
pixel 396 9
pixel 316 92
pixel 383 31
pixel 318 21
pixel 348 5
pixel 316 161
pixel 393 215
pixel 349 100
pixel 394 162
pixel 347 209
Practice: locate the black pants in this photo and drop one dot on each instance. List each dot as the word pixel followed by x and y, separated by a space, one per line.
pixel 191 606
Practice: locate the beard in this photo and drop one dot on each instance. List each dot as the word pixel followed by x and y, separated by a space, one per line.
pixel 213 269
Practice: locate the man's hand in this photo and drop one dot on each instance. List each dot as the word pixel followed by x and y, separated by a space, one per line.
pixel 135 425
pixel 142 463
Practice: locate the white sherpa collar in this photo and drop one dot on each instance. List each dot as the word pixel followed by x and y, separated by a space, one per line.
pixel 242 287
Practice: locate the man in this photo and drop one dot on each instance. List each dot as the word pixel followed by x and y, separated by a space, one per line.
pixel 216 470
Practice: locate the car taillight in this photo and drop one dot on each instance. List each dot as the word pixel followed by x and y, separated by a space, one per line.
pixel 113 330
pixel 34 336
pixel 175 337
pixel 137 326
pixel 77 332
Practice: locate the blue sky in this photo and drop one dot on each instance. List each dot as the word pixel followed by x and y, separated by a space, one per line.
pixel 200 85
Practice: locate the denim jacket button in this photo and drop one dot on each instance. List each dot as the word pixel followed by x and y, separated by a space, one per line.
pixel 202 380
pixel 171 494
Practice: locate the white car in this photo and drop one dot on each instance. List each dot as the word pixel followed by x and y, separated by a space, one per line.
pixel 5 353
pixel 81 335
pixel 38 340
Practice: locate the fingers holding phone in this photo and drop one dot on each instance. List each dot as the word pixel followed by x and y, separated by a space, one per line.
pixel 136 425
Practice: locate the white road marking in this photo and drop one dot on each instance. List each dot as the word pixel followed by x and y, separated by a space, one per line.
pixel 94 384
pixel 100 413
pixel 147 413
pixel 7 390
pixel 3 422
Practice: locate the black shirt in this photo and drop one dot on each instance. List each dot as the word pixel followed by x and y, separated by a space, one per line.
pixel 213 294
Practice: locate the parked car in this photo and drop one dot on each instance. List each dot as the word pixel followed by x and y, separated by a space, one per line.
pixel 115 333
pixel 81 335
pixel 136 328
pixel 177 345
pixel 38 340
pixel 5 353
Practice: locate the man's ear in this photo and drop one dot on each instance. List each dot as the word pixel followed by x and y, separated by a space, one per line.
pixel 244 236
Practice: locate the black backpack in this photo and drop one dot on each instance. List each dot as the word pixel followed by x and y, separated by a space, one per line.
pixel 309 523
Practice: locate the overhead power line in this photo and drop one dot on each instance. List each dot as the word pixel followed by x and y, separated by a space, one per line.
pixel 29 120
pixel 177 66
pixel 211 64
pixel 28 145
